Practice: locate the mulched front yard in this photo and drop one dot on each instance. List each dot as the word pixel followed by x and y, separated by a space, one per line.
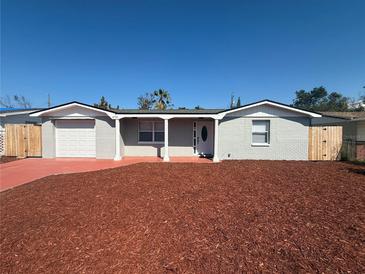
pixel 237 216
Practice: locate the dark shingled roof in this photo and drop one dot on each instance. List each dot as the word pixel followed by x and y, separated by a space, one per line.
pixel 177 111
pixel 168 111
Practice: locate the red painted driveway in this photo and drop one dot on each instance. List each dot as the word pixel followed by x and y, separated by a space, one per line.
pixel 24 171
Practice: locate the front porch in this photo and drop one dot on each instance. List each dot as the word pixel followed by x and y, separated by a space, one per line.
pixel 167 138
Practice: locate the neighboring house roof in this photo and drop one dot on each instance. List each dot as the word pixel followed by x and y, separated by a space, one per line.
pixel 9 112
pixel 345 115
pixel 216 113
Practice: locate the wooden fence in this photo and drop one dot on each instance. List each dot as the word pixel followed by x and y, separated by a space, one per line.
pixel 325 143
pixel 23 140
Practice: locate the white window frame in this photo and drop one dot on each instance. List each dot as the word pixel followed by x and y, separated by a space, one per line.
pixel 267 132
pixel 153 132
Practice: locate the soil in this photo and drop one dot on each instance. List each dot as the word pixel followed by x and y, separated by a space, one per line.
pixel 236 216
pixel 7 159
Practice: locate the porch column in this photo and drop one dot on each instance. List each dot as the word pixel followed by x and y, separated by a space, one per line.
pixel 216 138
pixel 117 155
pixel 166 157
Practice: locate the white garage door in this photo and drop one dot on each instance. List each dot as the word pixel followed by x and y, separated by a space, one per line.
pixel 75 138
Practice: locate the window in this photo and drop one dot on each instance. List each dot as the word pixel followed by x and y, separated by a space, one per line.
pixel 159 132
pixel 260 132
pixel 204 133
pixel 151 132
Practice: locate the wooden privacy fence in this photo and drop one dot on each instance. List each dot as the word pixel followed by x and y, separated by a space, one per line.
pixel 23 140
pixel 325 143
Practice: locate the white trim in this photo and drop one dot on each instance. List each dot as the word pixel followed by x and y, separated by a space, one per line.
pixel 46 111
pixel 166 157
pixel 216 140
pixel 117 155
pixel 195 148
pixel 167 116
pixel 311 114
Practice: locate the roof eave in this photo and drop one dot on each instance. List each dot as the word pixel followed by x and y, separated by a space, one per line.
pixel 70 104
pixel 273 103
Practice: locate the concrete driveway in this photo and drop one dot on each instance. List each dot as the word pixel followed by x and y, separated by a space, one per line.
pixel 19 172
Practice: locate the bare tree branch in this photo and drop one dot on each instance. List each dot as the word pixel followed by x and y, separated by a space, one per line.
pixel 6 102
pixel 22 102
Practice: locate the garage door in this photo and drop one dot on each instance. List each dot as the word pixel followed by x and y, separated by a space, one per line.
pixel 75 138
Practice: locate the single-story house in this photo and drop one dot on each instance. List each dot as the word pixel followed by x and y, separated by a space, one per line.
pixel 260 130
pixel 15 116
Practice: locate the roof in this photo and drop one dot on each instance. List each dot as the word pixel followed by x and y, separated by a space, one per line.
pixel 40 112
pixel 345 115
pixel 213 113
pixel 275 104
pixel 168 111
pixel 16 111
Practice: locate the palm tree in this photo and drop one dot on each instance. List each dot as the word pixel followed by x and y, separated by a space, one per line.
pixel 163 99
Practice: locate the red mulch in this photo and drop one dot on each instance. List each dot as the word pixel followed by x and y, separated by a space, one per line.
pixel 236 216
pixel 7 159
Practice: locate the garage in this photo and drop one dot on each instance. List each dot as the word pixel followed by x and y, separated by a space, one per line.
pixel 75 138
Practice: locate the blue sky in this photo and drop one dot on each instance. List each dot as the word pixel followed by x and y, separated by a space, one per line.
pixel 201 51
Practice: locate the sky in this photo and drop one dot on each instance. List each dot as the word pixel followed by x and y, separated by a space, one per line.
pixel 200 51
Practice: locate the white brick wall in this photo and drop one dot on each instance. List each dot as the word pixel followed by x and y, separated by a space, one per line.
pixel 288 139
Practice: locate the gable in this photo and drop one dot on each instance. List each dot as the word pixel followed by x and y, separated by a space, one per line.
pixel 75 111
pixel 265 111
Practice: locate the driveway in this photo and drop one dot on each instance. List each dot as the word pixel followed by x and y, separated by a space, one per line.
pixel 24 171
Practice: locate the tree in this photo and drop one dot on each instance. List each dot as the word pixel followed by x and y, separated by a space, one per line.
pixel 103 103
pixel 198 107
pixel 146 101
pixel 238 102
pixel 318 99
pixel 16 100
pixel 162 99
pixel 336 102
pixel 359 105
pixel 232 103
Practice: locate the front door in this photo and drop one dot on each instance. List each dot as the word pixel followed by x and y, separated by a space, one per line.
pixel 204 138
